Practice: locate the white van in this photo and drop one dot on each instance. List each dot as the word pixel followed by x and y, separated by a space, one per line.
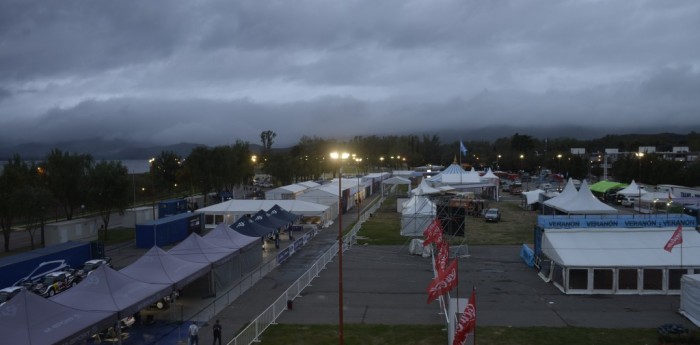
pixel 629 201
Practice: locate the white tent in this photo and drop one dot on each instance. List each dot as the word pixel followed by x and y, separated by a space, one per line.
pixel 395 181
pixel 532 196
pixel 425 189
pixel 586 203
pixel 285 192
pixel 229 211
pixel 567 194
pixel 489 175
pixel 583 202
pixel 618 261
pixel 632 190
pixel 454 174
pixel 690 298
pixel 416 215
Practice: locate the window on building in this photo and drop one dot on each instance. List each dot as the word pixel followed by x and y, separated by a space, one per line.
pixel 627 279
pixel 653 279
pixel 578 279
pixel 602 279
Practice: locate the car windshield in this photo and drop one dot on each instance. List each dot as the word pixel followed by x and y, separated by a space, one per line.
pixel 48 280
pixel 90 266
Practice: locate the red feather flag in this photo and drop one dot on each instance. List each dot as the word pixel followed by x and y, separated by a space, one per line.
pixel 676 238
pixel 433 233
pixel 444 282
pixel 442 256
pixel 467 322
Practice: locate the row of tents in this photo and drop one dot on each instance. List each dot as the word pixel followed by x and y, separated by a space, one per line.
pixel 107 295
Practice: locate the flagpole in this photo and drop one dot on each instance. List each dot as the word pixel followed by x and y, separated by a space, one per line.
pixel 474 294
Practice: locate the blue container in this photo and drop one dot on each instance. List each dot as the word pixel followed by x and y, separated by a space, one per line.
pixel 167 208
pixel 34 263
pixel 168 230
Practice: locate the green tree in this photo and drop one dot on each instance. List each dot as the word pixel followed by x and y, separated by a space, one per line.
pixel 165 169
pixel 67 177
pixel 12 180
pixel 109 190
pixel 34 200
pixel 199 166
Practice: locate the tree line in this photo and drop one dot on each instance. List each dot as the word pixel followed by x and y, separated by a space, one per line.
pixel 65 183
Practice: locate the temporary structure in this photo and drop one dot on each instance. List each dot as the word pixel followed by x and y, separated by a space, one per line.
pixel 417 213
pixel 618 260
pixel 690 298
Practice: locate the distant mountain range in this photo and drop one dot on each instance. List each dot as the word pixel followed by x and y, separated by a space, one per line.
pixel 97 147
pixel 101 148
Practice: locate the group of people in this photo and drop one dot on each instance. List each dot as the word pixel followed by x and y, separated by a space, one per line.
pixel 193 333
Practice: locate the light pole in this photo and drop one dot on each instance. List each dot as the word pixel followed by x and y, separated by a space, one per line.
pixel 559 164
pixel 522 157
pixel 340 157
pixel 498 158
pixel 640 155
pixel 359 199
pixel 153 190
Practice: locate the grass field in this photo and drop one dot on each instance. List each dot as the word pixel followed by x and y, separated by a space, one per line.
pixel 515 227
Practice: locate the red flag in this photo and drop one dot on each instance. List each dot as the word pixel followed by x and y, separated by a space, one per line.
pixel 467 322
pixel 444 282
pixel 442 256
pixel 433 233
pixel 677 238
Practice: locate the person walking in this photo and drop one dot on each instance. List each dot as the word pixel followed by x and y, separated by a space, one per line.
pixel 217 332
pixel 194 334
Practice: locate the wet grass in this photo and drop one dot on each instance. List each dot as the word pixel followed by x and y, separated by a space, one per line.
pixel 515 227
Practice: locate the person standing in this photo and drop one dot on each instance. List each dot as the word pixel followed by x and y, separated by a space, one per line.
pixel 217 332
pixel 194 334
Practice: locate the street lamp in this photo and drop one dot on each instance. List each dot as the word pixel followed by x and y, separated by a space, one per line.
pixel 498 167
pixel 640 155
pixel 559 163
pixel 359 199
pixel 522 157
pixel 340 157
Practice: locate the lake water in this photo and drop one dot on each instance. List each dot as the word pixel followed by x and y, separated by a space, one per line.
pixel 135 166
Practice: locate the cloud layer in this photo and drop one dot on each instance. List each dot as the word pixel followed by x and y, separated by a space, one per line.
pixel 216 71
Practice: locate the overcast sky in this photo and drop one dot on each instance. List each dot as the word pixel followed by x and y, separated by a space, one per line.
pixel 215 71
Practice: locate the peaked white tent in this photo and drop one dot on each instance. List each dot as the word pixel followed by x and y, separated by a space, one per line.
pixel 425 189
pixel 632 190
pixel 454 174
pixel 584 202
pixel 567 194
pixel 416 215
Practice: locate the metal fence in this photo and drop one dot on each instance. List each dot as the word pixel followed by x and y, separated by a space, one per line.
pixel 252 333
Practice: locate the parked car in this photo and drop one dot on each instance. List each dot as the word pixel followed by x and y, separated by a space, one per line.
pixel 7 293
pixel 629 201
pixel 610 196
pixel 40 271
pixel 91 265
pixel 55 282
pixel 492 215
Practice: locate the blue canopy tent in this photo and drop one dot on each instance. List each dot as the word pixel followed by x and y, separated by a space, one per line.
pixel 279 212
pixel 248 227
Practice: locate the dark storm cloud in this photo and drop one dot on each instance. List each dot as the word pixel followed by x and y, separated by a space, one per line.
pixel 66 37
pixel 216 71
